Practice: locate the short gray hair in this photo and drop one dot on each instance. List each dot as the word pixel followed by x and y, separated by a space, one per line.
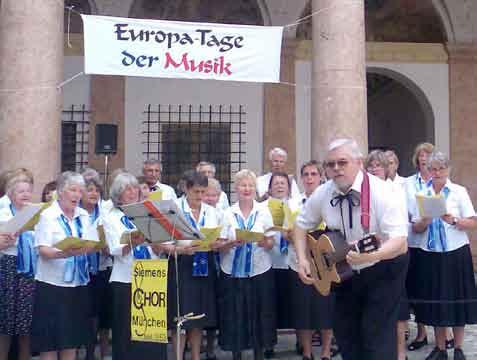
pixel 67 179
pixel 243 174
pixel 351 144
pixel 440 157
pixel 214 183
pixel 120 183
pixel 277 151
pixel 152 162
pixel 205 163
pixel 17 179
pixel 90 173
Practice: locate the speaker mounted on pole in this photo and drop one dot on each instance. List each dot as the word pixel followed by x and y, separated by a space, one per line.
pixel 106 139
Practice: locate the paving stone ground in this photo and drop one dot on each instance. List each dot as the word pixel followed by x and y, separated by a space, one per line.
pixel 286 345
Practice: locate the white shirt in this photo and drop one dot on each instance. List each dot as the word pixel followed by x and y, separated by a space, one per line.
pixel 168 192
pixel 458 204
pixel 287 260
pixel 208 216
pixel 386 219
pixel 122 264
pixel 4 201
pixel 261 259
pixel 413 184
pixel 263 183
pixel 223 203
pixel 398 180
pixel 50 231
pixel 5 215
pixel 104 261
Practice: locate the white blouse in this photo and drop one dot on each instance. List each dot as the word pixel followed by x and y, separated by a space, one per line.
pixel 50 231
pixel 6 215
pixel 261 259
pixel 459 205
pixel 208 216
pixel 287 260
pixel 104 261
pixel 122 264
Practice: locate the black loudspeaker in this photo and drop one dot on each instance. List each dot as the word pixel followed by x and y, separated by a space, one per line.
pixel 106 139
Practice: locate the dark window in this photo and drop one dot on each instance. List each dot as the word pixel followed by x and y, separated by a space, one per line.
pixel 182 136
pixel 74 138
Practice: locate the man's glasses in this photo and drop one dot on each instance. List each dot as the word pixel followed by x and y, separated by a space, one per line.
pixel 340 164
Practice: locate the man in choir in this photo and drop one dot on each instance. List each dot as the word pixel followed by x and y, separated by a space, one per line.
pixel 278 159
pixel 152 172
pixel 367 305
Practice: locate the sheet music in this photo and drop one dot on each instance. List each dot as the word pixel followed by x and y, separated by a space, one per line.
pixel 431 206
pixel 152 228
pixel 21 218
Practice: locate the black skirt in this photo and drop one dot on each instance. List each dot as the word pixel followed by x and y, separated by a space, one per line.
pixel 309 310
pixel 101 298
pixel 123 347
pixel 411 282
pixel 247 312
pixel 61 318
pixel 196 294
pixel 282 298
pixel 446 277
pixel 16 298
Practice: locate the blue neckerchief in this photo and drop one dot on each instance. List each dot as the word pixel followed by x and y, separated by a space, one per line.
pixel 242 263
pixel 436 232
pixel 76 267
pixel 419 182
pixel 283 245
pixel 93 258
pixel 140 252
pixel 26 253
pixel 200 263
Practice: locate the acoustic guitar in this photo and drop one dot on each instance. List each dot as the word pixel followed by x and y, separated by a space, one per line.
pixel 327 256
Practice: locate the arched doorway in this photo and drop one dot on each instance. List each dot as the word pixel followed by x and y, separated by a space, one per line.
pixel 399 115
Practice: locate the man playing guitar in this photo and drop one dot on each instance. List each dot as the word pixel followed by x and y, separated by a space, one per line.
pixel 366 308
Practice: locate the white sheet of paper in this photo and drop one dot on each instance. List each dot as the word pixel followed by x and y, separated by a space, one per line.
pixel 431 206
pixel 152 229
pixel 20 219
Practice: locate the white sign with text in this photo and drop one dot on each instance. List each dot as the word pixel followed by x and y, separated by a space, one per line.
pixel 174 49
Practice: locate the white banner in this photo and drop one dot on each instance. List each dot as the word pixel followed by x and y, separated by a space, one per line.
pixel 174 49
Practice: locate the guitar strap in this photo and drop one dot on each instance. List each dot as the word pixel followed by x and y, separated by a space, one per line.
pixel 365 203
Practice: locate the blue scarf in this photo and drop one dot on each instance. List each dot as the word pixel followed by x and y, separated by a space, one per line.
pixel 200 263
pixel 283 245
pixel 140 252
pixel 242 263
pixel 93 258
pixel 436 232
pixel 26 252
pixel 76 267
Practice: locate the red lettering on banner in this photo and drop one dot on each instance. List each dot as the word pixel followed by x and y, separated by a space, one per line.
pixel 217 65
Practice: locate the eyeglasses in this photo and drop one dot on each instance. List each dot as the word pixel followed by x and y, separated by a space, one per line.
pixel 340 163
pixel 435 170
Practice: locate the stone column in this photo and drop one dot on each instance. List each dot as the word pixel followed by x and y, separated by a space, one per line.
pixel 31 67
pixel 463 132
pixel 339 74
pixel 107 107
pixel 279 112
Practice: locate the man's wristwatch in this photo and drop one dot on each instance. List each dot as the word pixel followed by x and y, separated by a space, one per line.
pixel 454 221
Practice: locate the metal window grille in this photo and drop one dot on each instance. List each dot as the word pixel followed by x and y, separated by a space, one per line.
pixel 74 138
pixel 181 136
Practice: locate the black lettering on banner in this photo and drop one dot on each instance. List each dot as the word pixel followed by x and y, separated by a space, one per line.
pixel 119 31
pixel 123 32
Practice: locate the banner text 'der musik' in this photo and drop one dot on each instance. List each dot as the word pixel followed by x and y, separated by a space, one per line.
pixel 172 49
